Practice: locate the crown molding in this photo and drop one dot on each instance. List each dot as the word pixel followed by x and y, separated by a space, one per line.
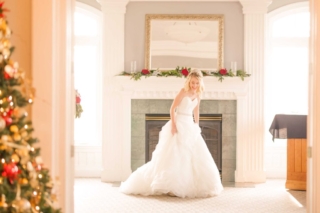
pixel 113 6
pixel 255 6
pixel 185 0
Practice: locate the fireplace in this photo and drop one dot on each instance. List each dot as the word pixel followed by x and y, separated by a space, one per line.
pixel 211 131
pixel 227 109
pixel 129 101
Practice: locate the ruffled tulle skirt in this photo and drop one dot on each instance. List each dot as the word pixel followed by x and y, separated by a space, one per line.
pixel 181 165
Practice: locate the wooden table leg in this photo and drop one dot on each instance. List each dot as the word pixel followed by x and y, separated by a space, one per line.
pixel 296 164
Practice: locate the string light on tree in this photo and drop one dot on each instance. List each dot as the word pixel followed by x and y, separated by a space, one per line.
pixel 21 163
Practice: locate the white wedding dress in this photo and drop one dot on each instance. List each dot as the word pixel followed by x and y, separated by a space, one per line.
pixel 181 164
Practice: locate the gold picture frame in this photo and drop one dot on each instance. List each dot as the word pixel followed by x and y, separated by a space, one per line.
pixel 210 48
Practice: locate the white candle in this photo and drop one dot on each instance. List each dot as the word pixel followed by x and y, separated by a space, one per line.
pixel 134 66
pixel 234 66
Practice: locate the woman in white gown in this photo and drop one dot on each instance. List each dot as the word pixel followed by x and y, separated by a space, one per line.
pixel 181 164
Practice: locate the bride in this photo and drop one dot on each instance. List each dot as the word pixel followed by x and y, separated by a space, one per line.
pixel 181 164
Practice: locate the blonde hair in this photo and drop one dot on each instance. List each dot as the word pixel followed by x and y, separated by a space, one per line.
pixel 195 73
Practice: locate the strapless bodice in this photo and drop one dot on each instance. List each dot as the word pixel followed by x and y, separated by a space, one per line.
pixel 186 106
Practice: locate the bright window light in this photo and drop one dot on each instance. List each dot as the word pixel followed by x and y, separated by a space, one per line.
pixel 87 75
pixel 84 25
pixel 286 76
pixel 295 25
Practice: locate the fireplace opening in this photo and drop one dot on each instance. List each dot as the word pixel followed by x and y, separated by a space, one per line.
pixel 211 131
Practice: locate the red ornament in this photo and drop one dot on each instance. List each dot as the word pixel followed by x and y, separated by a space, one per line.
pixel 78 100
pixel 145 72
pixel 2 10
pixel 10 171
pixel 7 119
pixel 223 71
pixel 9 113
pixel 185 72
pixel 6 76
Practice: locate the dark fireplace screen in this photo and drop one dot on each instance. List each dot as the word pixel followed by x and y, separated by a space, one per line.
pixel 211 130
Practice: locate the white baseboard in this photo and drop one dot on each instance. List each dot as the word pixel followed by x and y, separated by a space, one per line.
pixel 88 161
pixel 83 173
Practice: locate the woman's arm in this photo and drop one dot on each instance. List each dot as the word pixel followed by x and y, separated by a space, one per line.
pixel 196 111
pixel 174 105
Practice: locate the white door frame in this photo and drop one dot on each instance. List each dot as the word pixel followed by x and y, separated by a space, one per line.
pixel 52 46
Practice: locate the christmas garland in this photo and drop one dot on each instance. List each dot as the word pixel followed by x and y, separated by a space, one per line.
pixel 184 71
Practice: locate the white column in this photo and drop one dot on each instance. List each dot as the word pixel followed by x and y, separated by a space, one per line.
pixel 251 146
pixel 114 164
pixel 313 176
pixel 53 111
pixel 242 132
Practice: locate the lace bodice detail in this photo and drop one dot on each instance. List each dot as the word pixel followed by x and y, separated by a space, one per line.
pixel 187 105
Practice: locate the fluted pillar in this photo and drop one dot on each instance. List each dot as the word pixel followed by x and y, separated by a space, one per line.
pixel 250 167
pixel 313 177
pixel 116 166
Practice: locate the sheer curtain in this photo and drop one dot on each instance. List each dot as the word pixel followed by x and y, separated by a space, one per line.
pixel 286 77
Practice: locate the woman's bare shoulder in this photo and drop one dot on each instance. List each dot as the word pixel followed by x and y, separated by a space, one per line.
pixel 182 92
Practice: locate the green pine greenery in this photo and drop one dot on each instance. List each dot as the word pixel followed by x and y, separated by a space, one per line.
pixel 177 73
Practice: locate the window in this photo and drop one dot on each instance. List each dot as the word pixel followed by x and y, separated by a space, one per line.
pixel 287 62
pixel 87 73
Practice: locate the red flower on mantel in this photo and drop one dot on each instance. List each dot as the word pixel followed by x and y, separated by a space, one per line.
pixel 185 72
pixel 223 71
pixel 145 72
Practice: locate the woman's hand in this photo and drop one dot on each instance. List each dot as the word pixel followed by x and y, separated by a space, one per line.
pixel 173 129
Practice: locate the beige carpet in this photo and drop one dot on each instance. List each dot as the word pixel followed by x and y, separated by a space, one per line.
pixel 94 196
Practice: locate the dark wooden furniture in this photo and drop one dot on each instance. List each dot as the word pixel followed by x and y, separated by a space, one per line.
pixel 294 129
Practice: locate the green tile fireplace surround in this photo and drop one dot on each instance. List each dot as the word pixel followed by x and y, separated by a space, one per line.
pixel 228 109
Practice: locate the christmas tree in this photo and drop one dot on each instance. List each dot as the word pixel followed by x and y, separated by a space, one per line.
pixel 25 184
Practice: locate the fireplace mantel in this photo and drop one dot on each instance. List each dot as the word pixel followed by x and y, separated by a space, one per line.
pixel 167 87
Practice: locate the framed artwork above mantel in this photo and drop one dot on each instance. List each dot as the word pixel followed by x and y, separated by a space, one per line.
pixel 187 40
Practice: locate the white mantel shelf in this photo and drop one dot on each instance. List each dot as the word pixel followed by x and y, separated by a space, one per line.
pixel 167 87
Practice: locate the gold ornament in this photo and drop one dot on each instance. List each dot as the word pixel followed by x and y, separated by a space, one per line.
pixel 19 112
pixel 3 147
pixel 17 137
pixel 34 183
pixel 3 24
pixel 6 43
pixel 1 180
pixel 21 205
pixel 15 158
pixel 3 204
pixel 23 181
pixel 6 138
pixel 2 123
pixel 22 152
pixel 24 134
pixel 49 185
pixel 14 128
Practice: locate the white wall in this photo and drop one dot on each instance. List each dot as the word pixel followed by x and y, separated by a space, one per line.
pixel 135 27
